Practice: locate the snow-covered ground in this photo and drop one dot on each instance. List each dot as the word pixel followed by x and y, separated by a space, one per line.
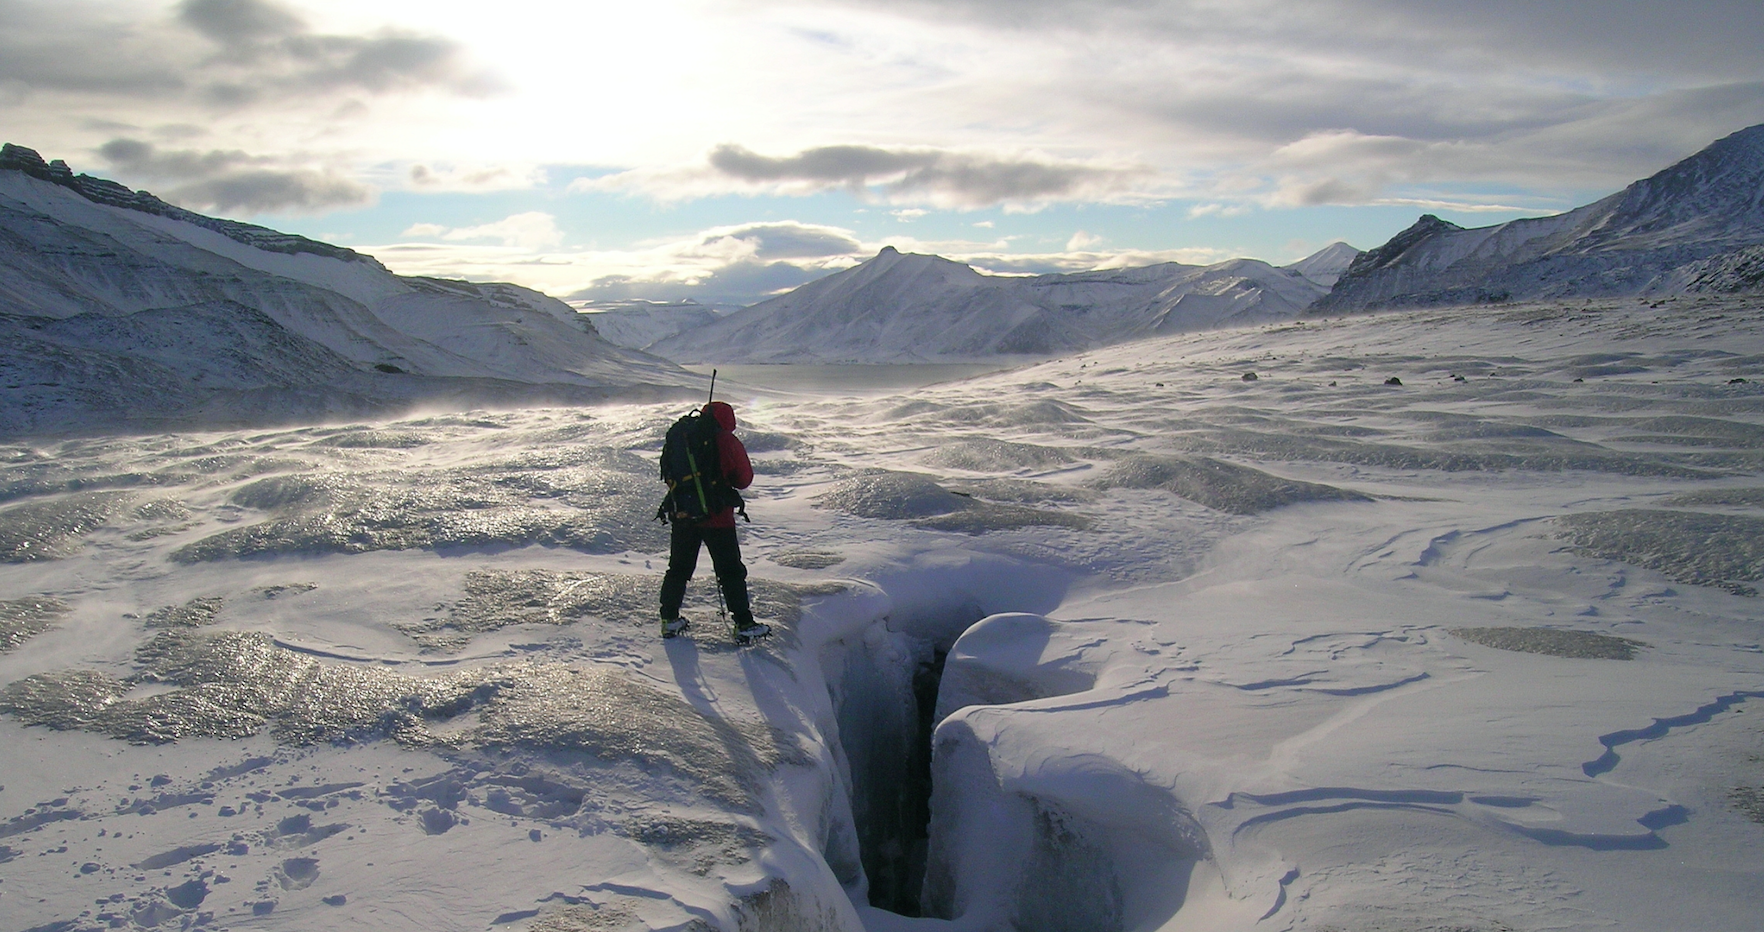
pixel 1476 651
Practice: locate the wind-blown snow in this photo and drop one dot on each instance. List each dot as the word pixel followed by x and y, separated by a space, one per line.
pixel 1474 651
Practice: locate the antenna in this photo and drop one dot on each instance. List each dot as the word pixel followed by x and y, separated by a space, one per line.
pixel 713 391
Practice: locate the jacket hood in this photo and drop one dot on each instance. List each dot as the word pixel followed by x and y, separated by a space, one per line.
pixel 724 414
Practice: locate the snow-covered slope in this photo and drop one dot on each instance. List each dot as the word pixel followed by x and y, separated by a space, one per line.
pixel 1120 642
pixel 902 307
pixel 1643 239
pixel 641 324
pixel 1326 265
pixel 125 309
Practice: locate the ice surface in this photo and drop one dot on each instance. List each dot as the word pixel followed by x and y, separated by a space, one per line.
pixel 1691 547
pixel 1553 641
pixel 996 456
pixel 918 498
pixel 23 619
pixel 496 599
pixel 1219 485
pixel 1716 498
pixel 234 685
pixel 808 559
pixel 440 656
pixel 192 614
pixel 50 529
pixel 600 502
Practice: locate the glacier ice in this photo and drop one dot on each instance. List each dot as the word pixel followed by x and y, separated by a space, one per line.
pixel 234 685
pixel 920 499
pixel 1718 498
pixel 1557 642
pixel 1692 547
pixel 996 456
pixel 192 614
pixel 1219 485
pixel 495 599
pixel 23 619
pixel 54 528
pixel 591 500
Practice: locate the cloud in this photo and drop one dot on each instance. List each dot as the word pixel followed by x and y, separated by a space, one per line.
pixel 217 53
pixel 1082 241
pixel 1216 209
pixel 729 265
pixel 1710 38
pixel 737 284
pixel 1535 94
pixel 233 181
pixel 239 22
pixel 260 191
pixel 434 177
pixel 1007 263
pixel 785 240
pixel 941 178
pixel 531 230
pixel 958 179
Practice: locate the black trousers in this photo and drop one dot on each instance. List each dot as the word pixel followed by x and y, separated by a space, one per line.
pixel 725 554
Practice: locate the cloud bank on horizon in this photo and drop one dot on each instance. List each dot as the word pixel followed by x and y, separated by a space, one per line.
pixel 722 151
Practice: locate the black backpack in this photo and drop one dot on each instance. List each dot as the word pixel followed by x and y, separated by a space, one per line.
pixel 693 470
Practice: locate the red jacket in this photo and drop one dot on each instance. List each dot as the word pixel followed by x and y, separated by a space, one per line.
pixel 737 468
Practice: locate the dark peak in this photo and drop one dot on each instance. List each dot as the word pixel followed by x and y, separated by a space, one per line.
pixel 1431 224
pixel 20 159
pixel 891 258
pixel 1748 139
pixel 110 193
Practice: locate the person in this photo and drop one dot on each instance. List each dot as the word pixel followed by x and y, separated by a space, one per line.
pixel 717 535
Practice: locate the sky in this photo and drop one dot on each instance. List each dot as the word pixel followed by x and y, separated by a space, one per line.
pixel 724 151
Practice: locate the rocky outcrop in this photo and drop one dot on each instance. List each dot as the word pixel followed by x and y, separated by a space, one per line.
pixel 1733 272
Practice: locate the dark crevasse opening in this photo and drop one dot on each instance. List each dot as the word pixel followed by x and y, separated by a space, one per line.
pixel 885 724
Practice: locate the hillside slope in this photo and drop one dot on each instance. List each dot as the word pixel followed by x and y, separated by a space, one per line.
pixel 1675 231
pixel 124 309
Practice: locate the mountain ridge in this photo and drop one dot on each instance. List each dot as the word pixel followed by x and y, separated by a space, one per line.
pixel 230 323
pixel 909 307
pixel 1642 239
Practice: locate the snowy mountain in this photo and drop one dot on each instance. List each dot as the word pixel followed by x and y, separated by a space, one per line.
pixel 1326 265
pixel 640 324
pixel 1660 235
pixel 120 308
pixel 903 307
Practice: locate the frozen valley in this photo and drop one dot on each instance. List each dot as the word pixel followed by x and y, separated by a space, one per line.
pixel 1127 640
